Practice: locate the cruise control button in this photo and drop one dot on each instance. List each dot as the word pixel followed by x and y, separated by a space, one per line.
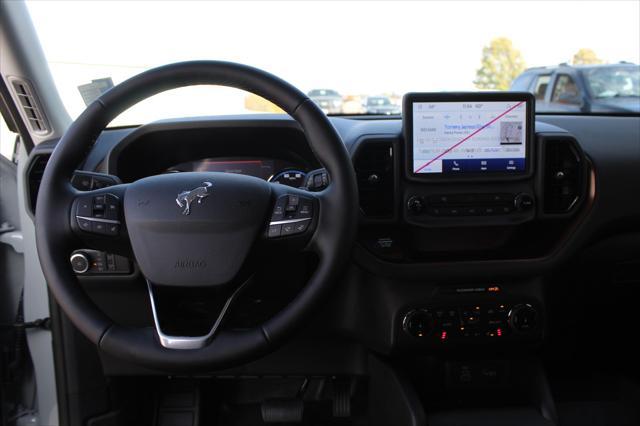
pixel 306 208
pixel 300 227
pixel 99 228
pixel 278 209
pixel 84 224
pixel 274 231
pixel 288 229
pixel 111 212
pixel 112 229
pixel 292 203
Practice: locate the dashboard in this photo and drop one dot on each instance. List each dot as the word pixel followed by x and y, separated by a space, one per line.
pixel 503 224
pixel 428 242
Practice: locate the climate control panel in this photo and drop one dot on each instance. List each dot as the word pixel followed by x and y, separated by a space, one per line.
pixel 495 321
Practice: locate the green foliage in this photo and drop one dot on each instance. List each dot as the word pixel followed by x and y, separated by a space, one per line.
pixel 586 57
pixel 501 63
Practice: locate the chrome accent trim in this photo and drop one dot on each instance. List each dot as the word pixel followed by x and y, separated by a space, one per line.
pixel 97 219
pixel 189 342
pixel 282 222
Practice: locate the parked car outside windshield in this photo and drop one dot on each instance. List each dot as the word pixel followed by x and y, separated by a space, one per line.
pixel 602 88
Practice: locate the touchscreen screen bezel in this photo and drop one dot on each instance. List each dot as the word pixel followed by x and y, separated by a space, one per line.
pixel 407 123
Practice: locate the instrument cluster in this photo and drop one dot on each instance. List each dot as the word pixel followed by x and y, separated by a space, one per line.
pixel 269 169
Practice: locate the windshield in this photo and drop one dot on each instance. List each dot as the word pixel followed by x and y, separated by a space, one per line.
pixel 328 51
pixel 614 82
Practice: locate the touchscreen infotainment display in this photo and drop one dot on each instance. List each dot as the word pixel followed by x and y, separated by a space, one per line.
pixel 469 137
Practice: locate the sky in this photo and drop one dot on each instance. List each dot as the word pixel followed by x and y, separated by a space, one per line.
pixel 353 47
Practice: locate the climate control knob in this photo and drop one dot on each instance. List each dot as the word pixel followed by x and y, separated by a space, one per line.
pixel 418 323
pixel 523 318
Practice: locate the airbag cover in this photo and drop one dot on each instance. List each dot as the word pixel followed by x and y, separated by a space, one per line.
pixel 194 229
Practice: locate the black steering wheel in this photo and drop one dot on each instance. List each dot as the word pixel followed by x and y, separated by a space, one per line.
pixel 193 229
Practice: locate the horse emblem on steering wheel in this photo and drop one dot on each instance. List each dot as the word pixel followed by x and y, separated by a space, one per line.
pixel 186 198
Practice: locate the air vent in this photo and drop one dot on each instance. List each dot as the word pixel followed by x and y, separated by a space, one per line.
pixel 34 177
pixel 373 163
pixel 564 176
pixel 30 107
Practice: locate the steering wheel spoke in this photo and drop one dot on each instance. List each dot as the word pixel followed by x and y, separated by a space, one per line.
pixel 171 339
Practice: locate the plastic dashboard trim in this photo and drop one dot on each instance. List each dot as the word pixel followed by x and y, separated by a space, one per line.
pixel 569 244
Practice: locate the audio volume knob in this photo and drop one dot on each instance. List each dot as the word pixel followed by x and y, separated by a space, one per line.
pixel 523 318
pixel 415 204
pixel 79 263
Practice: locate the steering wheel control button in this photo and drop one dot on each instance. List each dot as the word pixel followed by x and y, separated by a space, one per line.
pixel 292 203
pixel 274 231
pixel 306 208
pixel 292 215
pixel 99 228
pixel 84 208
pixel 112 229
pixel 84 224
pixel 278 211
pixel 99 214
pixel 288 229
pixel 79 263
pixel 300 227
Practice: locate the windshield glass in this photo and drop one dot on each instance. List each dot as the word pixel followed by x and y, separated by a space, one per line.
pixel 614 82
pixel 330 51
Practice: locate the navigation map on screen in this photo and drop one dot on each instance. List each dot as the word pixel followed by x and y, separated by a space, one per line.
pixel 469 137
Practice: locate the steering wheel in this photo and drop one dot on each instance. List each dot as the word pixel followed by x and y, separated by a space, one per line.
pixel 190 230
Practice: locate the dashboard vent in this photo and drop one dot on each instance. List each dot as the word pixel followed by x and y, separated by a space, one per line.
pixel 373 162
pixel 30 107
pixel 34 177
pixel 563 176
